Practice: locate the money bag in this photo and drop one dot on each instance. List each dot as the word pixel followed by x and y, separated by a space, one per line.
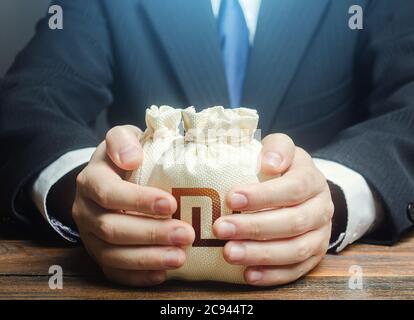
pixel 198 157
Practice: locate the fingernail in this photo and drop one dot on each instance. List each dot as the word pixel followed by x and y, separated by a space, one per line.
pixel 226 229
pixel 128 154
pixel 179 236
pixel 273 159
pixel 162 206
pixel 255 276
pixel 238 201
pixel 237 252
pixel 171 258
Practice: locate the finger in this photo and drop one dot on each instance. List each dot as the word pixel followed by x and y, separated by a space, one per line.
pixel 131 230
pixel 276 224
pixel 134 278
pixel 277 153
pixel 100 159
pixel 99 184
pixel 272 276
pixel 294 187
pixel 278 252
pixel 123 146
pixel 122 229
pixel 134 257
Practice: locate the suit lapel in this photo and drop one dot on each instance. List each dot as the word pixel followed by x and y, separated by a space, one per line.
pixel 189 36
pixel 284 30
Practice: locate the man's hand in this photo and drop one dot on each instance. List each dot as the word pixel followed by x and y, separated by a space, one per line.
pixel 132 249
pixel 288 233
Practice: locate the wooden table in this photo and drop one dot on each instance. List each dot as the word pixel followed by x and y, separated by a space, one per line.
pixel 388 272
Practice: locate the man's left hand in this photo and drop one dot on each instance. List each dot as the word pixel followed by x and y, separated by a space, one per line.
pixel 288 233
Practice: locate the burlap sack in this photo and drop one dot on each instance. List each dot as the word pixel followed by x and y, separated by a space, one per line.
pixel 217 151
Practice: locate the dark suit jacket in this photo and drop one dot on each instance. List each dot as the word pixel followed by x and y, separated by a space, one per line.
pixel 344 95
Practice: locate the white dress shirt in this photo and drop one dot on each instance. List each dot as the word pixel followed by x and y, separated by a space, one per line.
pixel 359 198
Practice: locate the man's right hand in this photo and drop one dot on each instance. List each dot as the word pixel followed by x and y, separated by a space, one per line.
pixel 132 249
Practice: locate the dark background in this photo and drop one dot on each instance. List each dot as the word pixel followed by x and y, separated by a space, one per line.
pixel 17 22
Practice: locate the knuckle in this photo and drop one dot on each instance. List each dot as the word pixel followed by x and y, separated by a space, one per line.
pixel 142 260
pixel 139 203
pixel 324 247
pixel 310 179
pixel 75 212
pixel 300 272
pixel 147 260
pixel 158 260
pixel 298 188
pixel 106 229
pixel 320 180
pixel 154 277
pixel 300 151
pixel 265 258
pixel 81 178
pixel 265 194
pixel 83 181
pixel 109 274
pixel 300 223
pixel 303 250
pixel 105 258
pixel 277 278
pixel 330 210
pixel 153 234
pixel 321 177
pixel 102 192
pixel 254 229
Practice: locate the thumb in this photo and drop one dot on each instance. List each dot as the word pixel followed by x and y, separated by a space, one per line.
pixel 277 153
pixel 123 146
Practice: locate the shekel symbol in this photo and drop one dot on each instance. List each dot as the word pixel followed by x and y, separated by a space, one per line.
pixel 196 213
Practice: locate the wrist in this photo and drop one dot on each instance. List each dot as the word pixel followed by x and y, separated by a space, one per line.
pixel 61 196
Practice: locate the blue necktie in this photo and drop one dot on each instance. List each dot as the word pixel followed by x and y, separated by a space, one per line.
pixel 234 40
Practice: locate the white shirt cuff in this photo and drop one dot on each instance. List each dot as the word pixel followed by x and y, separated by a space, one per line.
pixel 359 199
pixel 52 174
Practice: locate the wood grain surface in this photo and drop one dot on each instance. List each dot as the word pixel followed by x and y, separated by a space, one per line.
pixel 388 273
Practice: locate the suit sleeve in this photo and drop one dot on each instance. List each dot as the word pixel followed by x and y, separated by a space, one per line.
pixel 381 148
pixel 49 99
